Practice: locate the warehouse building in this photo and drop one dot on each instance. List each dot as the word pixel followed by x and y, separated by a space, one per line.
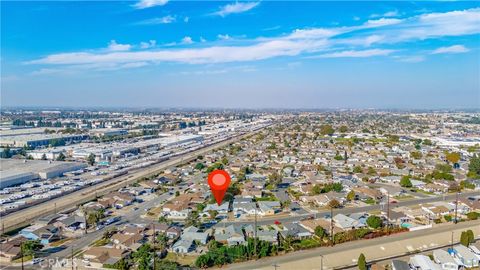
pixel 16 171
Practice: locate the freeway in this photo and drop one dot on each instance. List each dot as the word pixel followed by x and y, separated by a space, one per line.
pixel 25 216
pixel 346 211
pixel 380 248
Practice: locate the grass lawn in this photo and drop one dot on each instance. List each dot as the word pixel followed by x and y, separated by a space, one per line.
pixel 403 197
pixel 181 259
pixel 100 242
pixel 25 259
pixel 59 242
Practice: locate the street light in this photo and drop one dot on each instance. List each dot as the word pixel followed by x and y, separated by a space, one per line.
pixel 275 266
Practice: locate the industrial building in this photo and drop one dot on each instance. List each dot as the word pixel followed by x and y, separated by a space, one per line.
pixel 16 171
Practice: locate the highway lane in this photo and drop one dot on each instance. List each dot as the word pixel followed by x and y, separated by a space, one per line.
pixel 298 258
pixel 346 211
pixel 25 216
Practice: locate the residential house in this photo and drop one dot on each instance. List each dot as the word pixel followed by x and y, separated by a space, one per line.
pixel 445 260
pixel 195 234
pixel 466 256
pixel 295 230
pixel 11 249
pixel 71 224
pixel 46 234
pixel 100 256
pixel 231 235
pixel 346 223
pixel 400 265
pixel 422 262
pixel 183 246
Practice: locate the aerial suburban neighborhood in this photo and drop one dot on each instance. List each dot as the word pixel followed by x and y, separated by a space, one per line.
pixel 239 135
pixel 120 190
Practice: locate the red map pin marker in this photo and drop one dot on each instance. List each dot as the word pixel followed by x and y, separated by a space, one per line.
pixel 218 180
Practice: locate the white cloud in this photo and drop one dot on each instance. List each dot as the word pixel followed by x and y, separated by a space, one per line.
pixel 321 41
pixel 223 37
pixel 186 19
pixel 237 7
pixel 353 53
pixel 162 20
pixel 147 45
pixel 187 40
pixel 149 3
pixel 202 39
pixel 451 49
pixel 433 25
pixel 114 46
pixel 382 22
pixel 392 13
pixel 411 59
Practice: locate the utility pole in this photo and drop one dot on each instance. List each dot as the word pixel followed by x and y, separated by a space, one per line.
pixel 452 241
pixel 154 253
pixel 71 259
pixel 275 266
pixel 21 252
pixel 85 217
pixel 331 226
pixel 456 207
pixel 321 262
pixel 388 212
pixel 255 234
pixel 55 205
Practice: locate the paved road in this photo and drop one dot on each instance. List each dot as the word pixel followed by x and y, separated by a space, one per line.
pixel 24 216
pixel 382 247
pixel 346 211
pixel 132 216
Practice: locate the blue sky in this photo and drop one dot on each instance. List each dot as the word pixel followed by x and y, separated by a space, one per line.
pixel 268 54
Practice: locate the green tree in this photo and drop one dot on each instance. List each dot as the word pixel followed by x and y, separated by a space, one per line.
pixel 29 247
pixel 464 239
pixel 44 157
pixel 470 236
pixel 374 222
pixel 351 195
pixel 357 169
pixel 203 261
pixel 199 166
pixel 61 157
pixel 473 215
pixel 320 231
pixel 6 153
pixel 362 262
pixel 453 157
pixel 405 182
pixel 333 203
pixel 474 166
pixel 416 154
pixel 91 159
pixel 343 129
pixel 327 130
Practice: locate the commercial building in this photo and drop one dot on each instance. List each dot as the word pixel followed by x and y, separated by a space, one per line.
pixel 15 171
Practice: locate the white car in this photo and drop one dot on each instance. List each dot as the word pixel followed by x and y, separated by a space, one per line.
pixel 37 260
